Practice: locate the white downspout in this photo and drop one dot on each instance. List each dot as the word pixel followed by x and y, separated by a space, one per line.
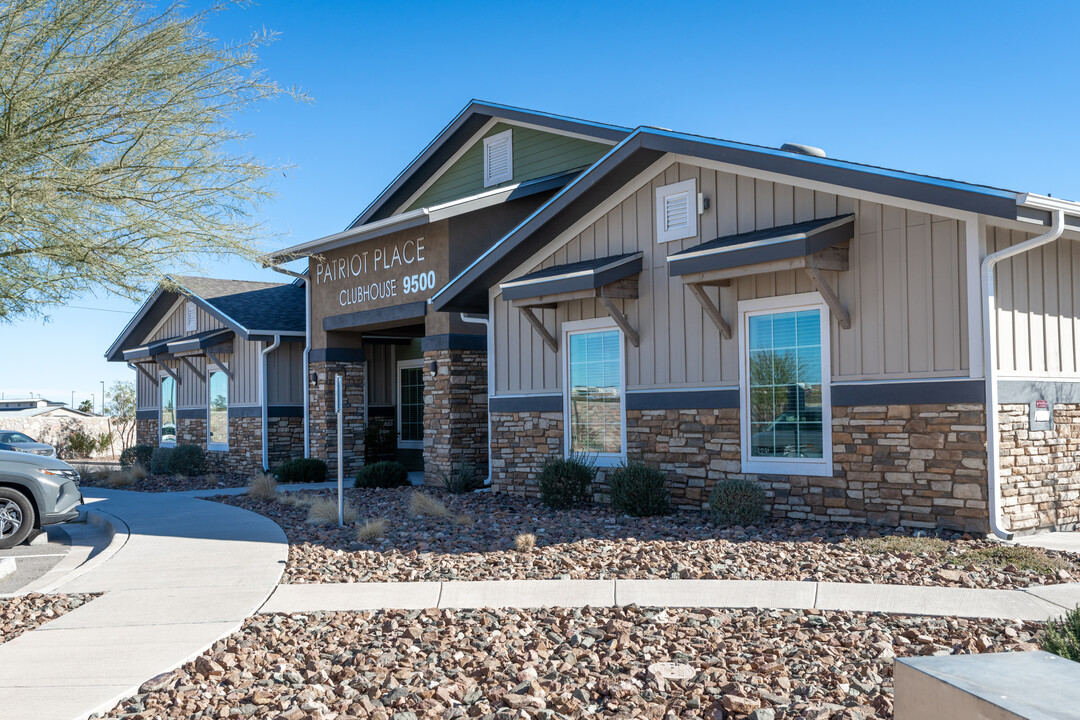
pixel 265 402
pixel 307 384
pixel 480 320
pixel 990 361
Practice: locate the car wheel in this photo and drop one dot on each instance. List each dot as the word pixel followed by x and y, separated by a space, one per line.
pixel 16 517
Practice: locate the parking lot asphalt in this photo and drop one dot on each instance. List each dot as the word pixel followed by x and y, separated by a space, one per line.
pixel 34 559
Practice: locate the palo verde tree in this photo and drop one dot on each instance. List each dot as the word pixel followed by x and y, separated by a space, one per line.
pixel 119 157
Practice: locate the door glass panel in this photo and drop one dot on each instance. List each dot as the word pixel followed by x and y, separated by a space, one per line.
pixel 219 408
pixel 412 405
pixel 595 392
pixel 785 385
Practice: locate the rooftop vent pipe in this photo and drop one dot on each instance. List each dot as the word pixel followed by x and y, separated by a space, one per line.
pixel 803 150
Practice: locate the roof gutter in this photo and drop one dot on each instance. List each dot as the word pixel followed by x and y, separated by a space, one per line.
pixel 989 346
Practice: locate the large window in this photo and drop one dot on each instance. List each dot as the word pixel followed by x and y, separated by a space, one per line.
pixel 168 411
pixel 786 418
pixel 217 428
pixel 411 404
pixel 594 390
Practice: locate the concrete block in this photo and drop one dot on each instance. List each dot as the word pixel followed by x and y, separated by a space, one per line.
pixel 527 593
pixel 716 593
pixel 352 596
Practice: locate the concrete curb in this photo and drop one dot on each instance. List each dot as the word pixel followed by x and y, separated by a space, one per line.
pixel 787 595
pixel 7 567
pixel 108 536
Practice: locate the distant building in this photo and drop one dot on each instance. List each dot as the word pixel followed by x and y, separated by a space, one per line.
pixel 36 407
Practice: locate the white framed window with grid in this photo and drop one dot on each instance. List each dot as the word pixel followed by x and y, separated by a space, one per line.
pixel 784 380
pixel 594 395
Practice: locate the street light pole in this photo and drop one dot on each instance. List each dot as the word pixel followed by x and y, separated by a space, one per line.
pixel 102 397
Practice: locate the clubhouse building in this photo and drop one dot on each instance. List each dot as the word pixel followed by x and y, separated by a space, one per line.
pixel 871 345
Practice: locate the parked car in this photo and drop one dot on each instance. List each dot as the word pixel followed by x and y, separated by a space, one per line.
pixel 35 491
pixel 11 440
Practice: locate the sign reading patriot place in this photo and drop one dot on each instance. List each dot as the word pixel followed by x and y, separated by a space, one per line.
pixel 378 273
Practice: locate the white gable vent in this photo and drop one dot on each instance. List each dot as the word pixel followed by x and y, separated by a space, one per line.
pixel 676 211
pixel 498 159
pixel 189 317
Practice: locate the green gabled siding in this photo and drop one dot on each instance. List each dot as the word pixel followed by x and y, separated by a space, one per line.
pixel 536 154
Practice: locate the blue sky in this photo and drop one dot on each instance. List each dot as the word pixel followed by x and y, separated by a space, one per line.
pixel 983 92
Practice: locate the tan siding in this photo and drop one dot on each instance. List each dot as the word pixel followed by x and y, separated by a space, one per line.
pixel 905 290
pixel 285 369
pixel 1037 309
pixel 146 392
pixel 244 387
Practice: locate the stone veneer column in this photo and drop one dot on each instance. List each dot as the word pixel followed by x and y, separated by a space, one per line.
pixel 520 444
pixel 1040 482
pixel 323 421
pixel 146 431
pixel 455 412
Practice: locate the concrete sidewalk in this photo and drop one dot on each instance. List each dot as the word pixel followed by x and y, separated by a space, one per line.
pixel 1032 604
pixel 180 574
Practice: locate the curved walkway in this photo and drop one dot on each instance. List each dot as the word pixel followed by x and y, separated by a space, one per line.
pixel 181 574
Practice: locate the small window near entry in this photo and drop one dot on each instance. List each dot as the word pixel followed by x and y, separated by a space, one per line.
pixel 498 159
pixel 786 420
pixel 676 211
pixel 217 428
pixel 168 412
pixel 594 396
pixel 190 317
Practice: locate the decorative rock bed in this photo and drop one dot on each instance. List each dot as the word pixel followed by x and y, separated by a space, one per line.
pixel 477 542
pixel 26 612
pixel 168 483
pixel 561 663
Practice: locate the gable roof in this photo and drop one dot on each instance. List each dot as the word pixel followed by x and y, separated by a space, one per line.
pixel 468 291
pixel 459 132
pixel 254 310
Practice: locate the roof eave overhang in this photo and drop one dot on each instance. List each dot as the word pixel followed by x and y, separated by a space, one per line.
pixel 590 279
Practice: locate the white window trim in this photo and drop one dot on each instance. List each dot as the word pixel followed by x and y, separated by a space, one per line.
pixel 691 230
pixel 578 327
pixel 162 375
pixel 212 368
pixel 507 137
pixel 401 365
pixel 786 466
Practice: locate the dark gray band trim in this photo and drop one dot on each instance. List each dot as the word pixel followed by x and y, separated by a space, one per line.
pixel 690 400
pixel 378 317
pixel 526 403
pixel 336 355
pixel 285 411
pixel 909 393
pixel 454 341
pixel 1025 391
pixel 245 412
pixel 146 414
pixel 191 413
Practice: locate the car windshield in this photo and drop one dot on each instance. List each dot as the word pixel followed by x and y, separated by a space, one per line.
pixel 14 438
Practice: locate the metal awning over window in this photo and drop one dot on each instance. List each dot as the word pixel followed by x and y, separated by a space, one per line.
pixel 209 343
pixel 606 279
pixel 811 246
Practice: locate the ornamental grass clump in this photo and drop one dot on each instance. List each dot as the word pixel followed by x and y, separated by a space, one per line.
pixel 566 482
pixel 1062 636
pixel 324 511
pixel 263 486
pixel 121 479
pixel 371 530
pixel 301 470
pixel 424 505
pixel 386 474
pixel 737 502
pixel 464 478
pixel 525 542
pixel 639 490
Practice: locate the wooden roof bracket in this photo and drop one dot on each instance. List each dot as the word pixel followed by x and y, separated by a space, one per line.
pixel 833 300
pixel 168 370
pixel 198 373
pixel 539 326
pixel 149 375
pixel 698 291
pixel 621 320
pixel 224 368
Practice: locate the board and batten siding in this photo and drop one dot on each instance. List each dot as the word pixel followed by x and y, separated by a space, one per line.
pixel 1038 307
pixel 380 368
pixel 285 369
pixel 536 154
pixel 906 290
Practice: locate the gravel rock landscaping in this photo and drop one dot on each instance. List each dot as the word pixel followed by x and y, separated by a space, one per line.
pixel 168 483
pixel 476 541
pixel 561 663
pixel 26 612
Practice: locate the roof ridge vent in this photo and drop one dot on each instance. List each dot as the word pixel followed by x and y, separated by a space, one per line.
pixel 800 149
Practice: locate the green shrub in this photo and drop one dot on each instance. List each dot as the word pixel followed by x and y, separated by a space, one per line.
pixel 464 478
pixel 159 460
pixel 187 460
pixel 382 475
pixel 302 470
pixel 82 444
pixel 136 455
pixel 737 502
pixel 1062 636
pixel 565 482
pixel 639 490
